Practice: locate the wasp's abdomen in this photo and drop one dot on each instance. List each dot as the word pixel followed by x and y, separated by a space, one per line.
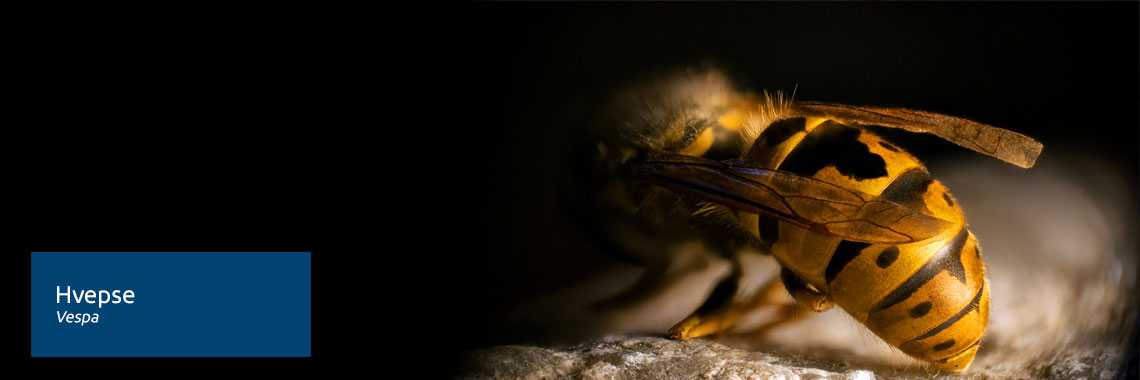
pixel 846 156
pixel 928 297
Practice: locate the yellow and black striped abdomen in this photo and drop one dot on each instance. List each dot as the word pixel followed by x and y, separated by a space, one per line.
pixel 846 156
pixel 929 297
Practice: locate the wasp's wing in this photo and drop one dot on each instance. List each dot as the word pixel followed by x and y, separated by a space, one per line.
pixel 813 204
pixel 1008 146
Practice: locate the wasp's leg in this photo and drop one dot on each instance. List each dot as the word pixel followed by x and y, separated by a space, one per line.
pixel 804 293
pixel 721 313
pixel 689 271
pixel 806 296
pixel 730 300
pixel 715 316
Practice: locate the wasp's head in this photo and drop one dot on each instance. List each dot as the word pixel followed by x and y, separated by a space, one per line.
pixel 939 313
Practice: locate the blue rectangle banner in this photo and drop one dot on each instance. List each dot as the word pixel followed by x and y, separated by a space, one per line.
pixel 171 304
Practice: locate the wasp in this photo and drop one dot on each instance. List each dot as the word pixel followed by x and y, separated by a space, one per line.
pixel 852 219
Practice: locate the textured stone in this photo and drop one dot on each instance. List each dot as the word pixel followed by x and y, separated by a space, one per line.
pixel 639 357
pixel 642 357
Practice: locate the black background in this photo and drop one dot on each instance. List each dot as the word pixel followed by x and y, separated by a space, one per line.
pixel 410 150
pixel 163 129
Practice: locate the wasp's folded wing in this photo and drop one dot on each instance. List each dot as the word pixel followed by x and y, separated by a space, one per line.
pixel 813 204
pixel 1008 146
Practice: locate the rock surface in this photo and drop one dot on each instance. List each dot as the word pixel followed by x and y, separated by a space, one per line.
pixel 646 358
pixel 640 357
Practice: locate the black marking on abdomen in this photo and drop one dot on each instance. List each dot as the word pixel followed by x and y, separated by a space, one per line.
pixel 954 319
pixel 944 345
pixel 838 145
pixel 888 146
pixel 888 257
pixel 780 130
pixel 909 188
pixel 949 258
pixel 976 342
pixel 769 228
pixel 920 310
pixel 844 253
pixel 949 201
